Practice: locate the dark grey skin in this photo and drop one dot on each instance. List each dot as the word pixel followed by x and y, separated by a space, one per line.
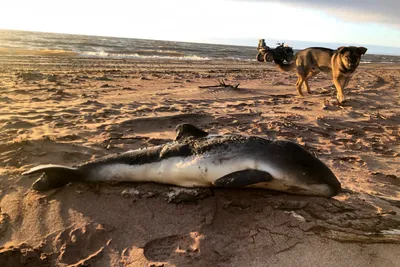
pixel 278 165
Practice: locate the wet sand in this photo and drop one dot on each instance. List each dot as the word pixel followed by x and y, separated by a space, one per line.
pixel 65 110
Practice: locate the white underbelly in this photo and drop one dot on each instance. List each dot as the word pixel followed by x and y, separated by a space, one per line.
pixel 190 171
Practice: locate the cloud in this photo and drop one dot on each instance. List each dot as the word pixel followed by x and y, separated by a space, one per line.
pixel 374 11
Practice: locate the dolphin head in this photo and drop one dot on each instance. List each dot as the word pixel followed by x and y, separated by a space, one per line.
pixel 298 171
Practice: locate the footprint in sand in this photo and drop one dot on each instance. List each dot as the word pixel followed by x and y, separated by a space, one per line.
pixel 75 247
pixel 17 124
pixel 93 102
pixel 163 248
pixel 5 99
pixel 4 222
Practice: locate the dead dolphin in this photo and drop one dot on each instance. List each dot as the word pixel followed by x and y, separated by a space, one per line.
pixel 197 159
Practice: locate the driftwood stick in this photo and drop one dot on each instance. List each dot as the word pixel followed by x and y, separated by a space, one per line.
pixel 209 86
pixel 128 138
pixel 222 84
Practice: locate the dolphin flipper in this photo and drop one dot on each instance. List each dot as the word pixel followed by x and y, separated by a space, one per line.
pixel 54 176
pixel 243 178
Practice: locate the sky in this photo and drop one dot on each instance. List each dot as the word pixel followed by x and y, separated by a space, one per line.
pixel 352 22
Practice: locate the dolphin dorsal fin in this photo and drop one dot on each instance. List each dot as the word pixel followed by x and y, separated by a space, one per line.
pixel 186 130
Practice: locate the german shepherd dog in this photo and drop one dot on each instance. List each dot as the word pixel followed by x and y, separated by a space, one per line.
pixel 340 63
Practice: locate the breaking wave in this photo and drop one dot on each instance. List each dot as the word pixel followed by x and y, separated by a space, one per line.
pixel 102 54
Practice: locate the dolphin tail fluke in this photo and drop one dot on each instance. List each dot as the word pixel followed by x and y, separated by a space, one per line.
pixel 54 176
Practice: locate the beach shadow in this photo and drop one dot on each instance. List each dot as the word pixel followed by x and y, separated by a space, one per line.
pixel 202 231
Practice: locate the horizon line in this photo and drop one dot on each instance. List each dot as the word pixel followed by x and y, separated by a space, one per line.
pixel 206 42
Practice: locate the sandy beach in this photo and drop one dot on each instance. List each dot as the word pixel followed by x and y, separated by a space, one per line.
pixel 67 110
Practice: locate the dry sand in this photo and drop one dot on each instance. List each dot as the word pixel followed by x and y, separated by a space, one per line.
pixel 66 110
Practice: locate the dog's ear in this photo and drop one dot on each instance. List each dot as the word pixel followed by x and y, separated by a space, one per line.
pixel 342 49
pixel 362 50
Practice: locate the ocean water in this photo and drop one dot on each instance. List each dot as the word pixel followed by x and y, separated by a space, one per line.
pixel 53 44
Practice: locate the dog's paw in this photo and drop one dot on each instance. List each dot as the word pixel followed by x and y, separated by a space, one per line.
pixel 341 103
pixel 340 99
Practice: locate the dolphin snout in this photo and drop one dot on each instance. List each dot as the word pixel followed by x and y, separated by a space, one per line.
pixel 333 183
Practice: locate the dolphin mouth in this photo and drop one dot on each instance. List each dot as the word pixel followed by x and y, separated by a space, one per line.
pixel 327 189
pixel 313 190
pixel 317 189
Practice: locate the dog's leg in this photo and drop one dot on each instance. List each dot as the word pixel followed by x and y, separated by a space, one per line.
pixel 307 86
pixel 346 82
pixel 311 74
pixel 300 78
pixel 299 83
pixel 339 84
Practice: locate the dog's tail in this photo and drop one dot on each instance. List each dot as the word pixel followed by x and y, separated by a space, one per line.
pixel 286 66
pixel 55 176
